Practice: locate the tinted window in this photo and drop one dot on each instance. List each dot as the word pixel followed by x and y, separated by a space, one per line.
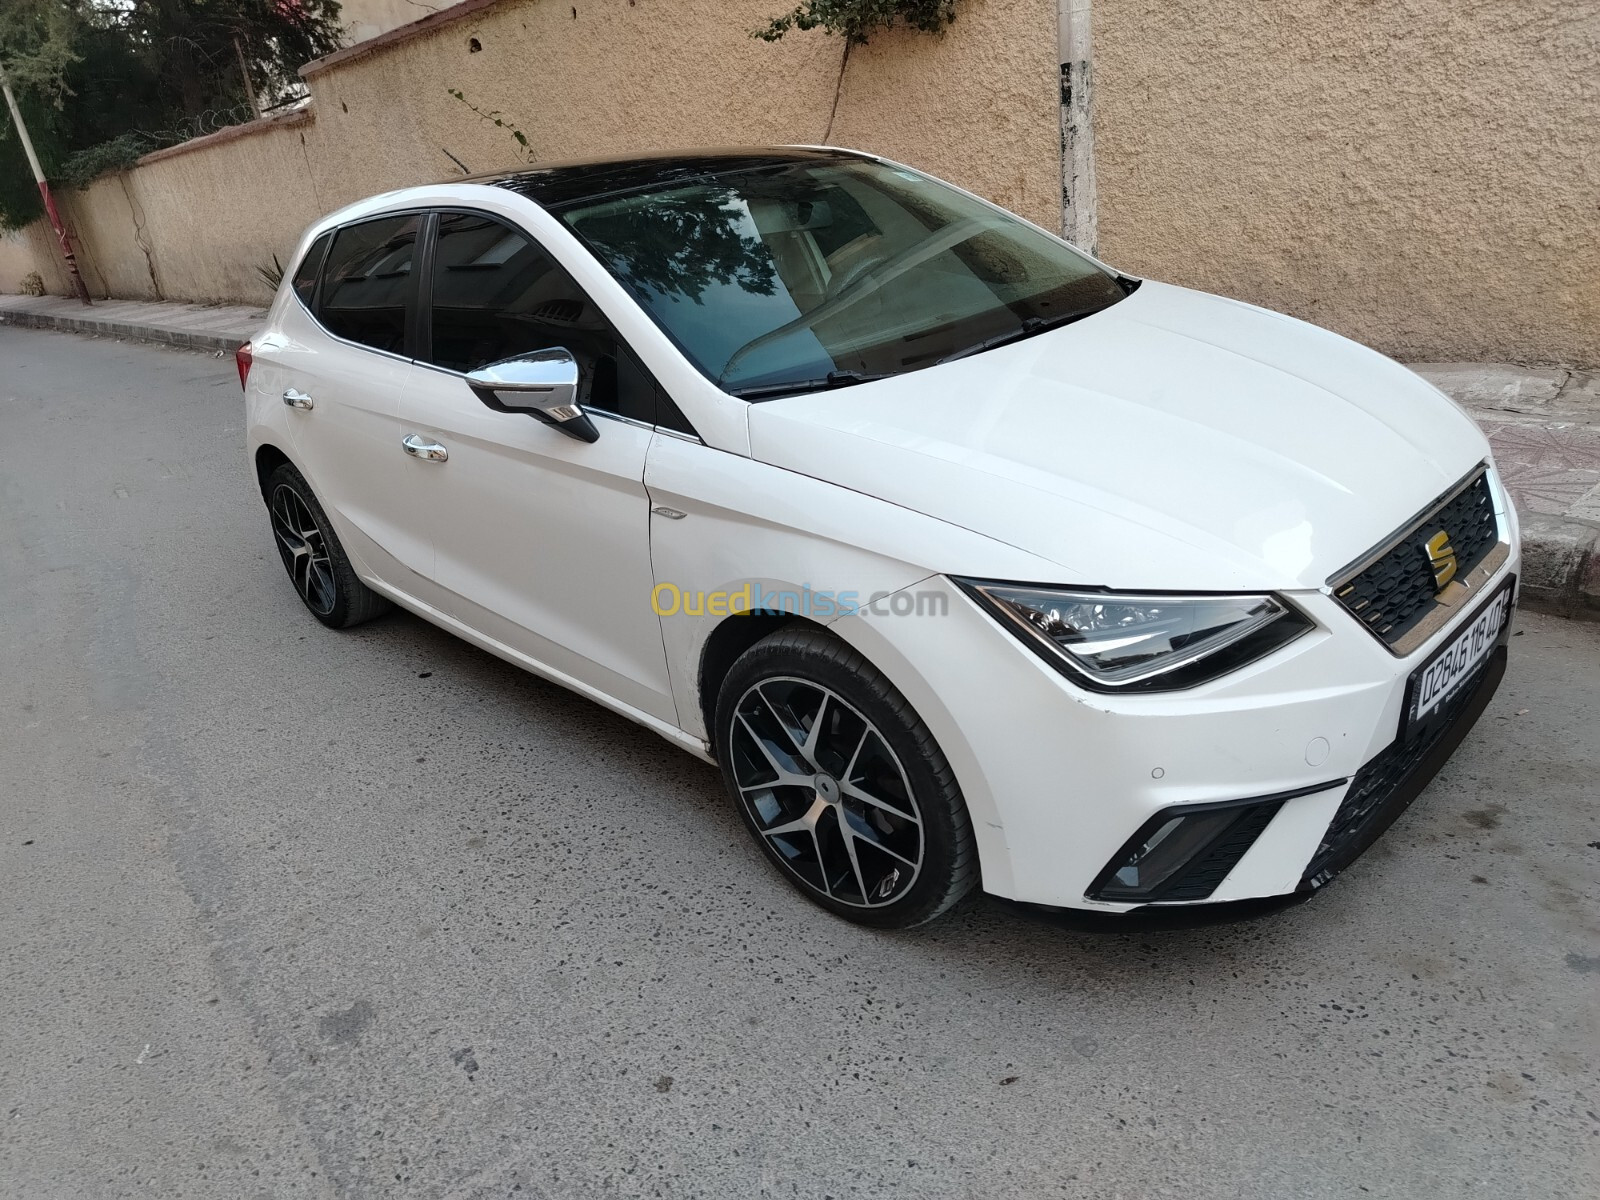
pixel 496 295
pixel 305 279
pixel 791 277
pixel 369 281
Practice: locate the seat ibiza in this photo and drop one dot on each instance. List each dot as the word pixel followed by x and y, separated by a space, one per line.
pixel 970 560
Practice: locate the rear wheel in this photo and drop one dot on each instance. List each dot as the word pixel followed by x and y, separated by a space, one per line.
pixel 841 783
pixel 317 564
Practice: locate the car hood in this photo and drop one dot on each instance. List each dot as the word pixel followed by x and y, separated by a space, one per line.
pixel 1175 440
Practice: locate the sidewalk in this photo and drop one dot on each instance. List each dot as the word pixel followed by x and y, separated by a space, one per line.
pixel 1544 425
pixel 195 326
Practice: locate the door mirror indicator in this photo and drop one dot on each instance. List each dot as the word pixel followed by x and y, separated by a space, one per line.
pixel 543 384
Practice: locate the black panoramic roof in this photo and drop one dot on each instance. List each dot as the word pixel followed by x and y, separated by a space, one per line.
pixel 562 184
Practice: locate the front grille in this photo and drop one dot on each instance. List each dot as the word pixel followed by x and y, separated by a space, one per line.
pixel 1397 591
pixel 1367 809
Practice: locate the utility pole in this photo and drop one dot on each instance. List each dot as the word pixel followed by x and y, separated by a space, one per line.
pixel 244 74
pixel 44 190
pixel 1080 213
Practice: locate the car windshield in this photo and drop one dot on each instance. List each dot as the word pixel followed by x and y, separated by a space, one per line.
pixel 802 275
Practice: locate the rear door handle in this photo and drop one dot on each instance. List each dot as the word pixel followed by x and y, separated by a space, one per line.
pixel 297 399
pixel 421 448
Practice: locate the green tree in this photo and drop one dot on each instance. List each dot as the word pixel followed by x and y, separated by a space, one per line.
pixel 38 41
pixel 102 81
pixel 191 44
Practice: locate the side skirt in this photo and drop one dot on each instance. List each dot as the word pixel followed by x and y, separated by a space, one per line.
pixel 678 737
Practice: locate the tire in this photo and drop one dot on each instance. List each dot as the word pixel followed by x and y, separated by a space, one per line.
pixel 900 860
pixel 317 564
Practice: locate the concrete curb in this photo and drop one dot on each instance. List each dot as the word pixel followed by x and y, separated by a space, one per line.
pixel 1544 425
pixel 1561 567
pixel 1561 553
pixel 187 338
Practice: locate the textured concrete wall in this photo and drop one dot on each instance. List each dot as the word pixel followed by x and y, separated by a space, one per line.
pixel 979 107
pixel 110 236
pixel 46 253
pixel 215 215
pixel 16 260
pixel 1423 175
pixel 976 105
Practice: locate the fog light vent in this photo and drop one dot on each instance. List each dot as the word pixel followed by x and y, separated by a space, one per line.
pixel 1185 852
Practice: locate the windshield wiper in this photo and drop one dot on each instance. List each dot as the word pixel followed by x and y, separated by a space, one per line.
pixel 1030 327
pixel 797 387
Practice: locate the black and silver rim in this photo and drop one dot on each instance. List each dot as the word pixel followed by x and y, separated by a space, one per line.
pixel 304 549
pixel 826 792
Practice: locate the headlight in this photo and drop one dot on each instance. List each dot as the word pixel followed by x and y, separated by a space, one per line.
pixel 1112 641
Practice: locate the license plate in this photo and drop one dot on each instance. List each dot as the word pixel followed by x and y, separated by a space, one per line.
pixel 1438 680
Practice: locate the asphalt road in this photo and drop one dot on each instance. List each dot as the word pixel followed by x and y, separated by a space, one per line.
pixel 288 912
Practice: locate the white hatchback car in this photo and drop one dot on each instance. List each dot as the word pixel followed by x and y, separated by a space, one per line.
pixel 965 556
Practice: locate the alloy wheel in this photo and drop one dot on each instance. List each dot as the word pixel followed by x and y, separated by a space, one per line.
pixel 304 548
pixel 824 790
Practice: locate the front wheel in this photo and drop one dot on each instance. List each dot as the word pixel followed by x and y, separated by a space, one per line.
pixel 841 783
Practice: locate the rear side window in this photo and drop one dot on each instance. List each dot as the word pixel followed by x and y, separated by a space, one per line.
pixel 305 279
pixel 497 294
pixel 370 282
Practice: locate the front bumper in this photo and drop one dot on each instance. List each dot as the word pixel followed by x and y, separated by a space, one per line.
pixel 1385 787
pixel 1059 780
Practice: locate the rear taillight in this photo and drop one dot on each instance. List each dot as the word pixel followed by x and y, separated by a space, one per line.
pixel 243 357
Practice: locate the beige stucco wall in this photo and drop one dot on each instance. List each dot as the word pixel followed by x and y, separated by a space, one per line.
pixel 216 215
pixel 41 243
pixel 16 260
pixel 976 105
pixel 1422 175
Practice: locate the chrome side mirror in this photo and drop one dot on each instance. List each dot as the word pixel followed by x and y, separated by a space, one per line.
pixel 543 384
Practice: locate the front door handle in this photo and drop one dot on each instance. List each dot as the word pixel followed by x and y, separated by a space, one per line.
pixel 421 448
pixel 297 399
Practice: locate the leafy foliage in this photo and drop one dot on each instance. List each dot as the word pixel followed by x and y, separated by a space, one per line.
pixel 497 118
pixel 191 43
pixel 37 45
pixel 856 20
pixel 271 276
pixel 82 167
pixel 101 81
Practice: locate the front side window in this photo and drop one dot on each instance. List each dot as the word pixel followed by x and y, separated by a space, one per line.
pixel 370 280
pixel 793 276
pixel 497 294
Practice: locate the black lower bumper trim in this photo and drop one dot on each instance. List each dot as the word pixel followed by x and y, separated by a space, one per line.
pixel 1398 774
pixel 1156 917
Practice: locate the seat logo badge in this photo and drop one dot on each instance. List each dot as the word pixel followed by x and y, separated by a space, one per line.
pixel 1442 557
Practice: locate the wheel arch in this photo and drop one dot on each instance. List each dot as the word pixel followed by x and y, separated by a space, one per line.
pixel 268 458
pixel 730 638
pixel 874 640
